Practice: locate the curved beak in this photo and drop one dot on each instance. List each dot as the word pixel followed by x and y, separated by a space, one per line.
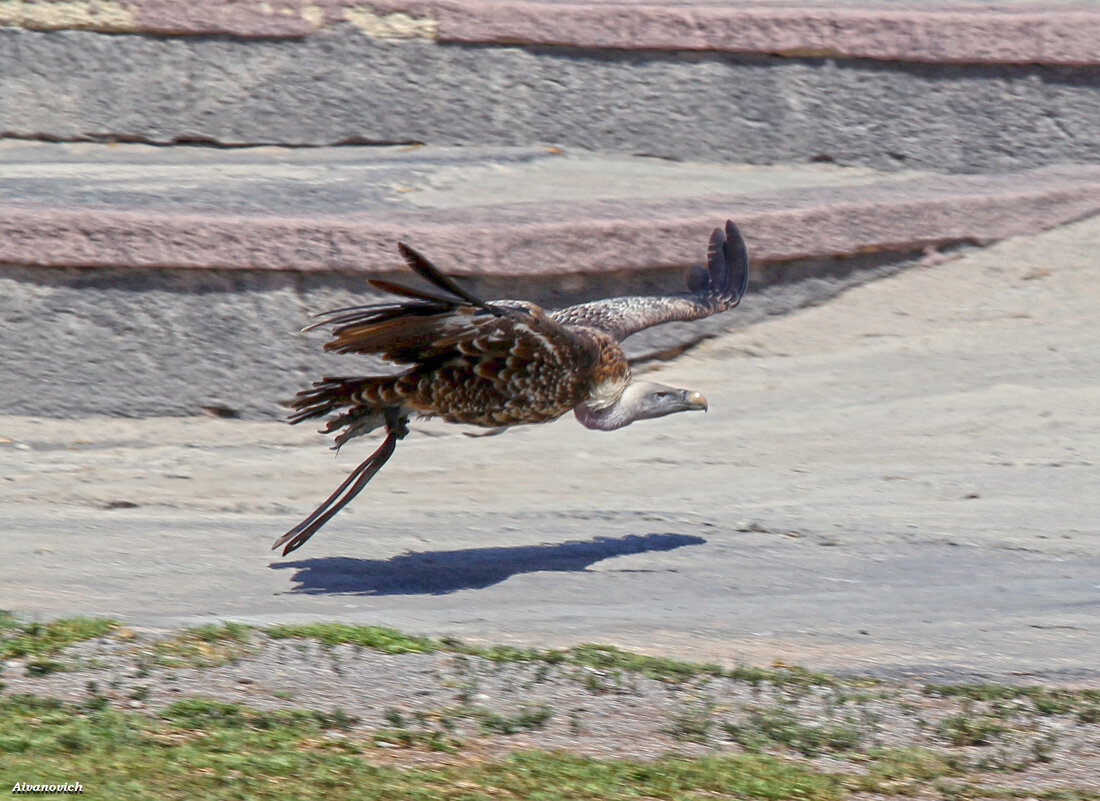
pixel 695 400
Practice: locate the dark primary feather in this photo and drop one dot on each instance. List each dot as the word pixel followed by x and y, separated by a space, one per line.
pixel 432 302
pixel 425 269
pixel 419 331
pixel 717 288
pixel 406 291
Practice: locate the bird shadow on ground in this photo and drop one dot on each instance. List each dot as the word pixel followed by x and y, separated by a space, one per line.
pixel 441 572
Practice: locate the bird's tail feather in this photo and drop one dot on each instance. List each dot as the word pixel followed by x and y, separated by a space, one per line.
pixel 364 404
pixel 330 394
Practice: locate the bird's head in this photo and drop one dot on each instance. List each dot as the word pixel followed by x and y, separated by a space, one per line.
pixel 641 400
pixel 647 399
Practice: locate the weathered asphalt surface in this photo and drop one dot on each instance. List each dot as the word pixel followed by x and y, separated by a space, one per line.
pixel 903 480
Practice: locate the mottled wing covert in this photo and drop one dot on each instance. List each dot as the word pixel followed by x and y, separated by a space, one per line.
pixel 716 288
pixel 495 364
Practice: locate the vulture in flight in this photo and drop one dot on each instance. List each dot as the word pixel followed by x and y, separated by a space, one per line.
pixel 500 363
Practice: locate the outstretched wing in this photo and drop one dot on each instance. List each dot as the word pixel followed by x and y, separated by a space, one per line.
pixel 716 288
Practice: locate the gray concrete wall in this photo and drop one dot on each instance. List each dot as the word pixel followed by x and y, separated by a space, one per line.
pixel 133 343
pixel 96 318
pixel 339 85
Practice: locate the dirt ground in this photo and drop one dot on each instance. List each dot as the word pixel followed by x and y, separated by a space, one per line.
pixel 900 482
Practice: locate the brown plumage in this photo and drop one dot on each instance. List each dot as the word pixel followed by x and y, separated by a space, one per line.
pixel 502 363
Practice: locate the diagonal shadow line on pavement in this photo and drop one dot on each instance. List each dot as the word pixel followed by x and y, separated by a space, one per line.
pixel 442 572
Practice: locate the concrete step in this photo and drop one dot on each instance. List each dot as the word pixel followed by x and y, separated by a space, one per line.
pixel 944 86
pixel 485 211
pixel 143 280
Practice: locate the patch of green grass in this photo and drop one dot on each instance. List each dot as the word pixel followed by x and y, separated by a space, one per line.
pixel 386 640
pixel 222 632
pixel 605 657
pixel 1089 713
pixel 951 790
pixel 779 725
pixel 502 653
pixel 19 639
pixel 96 699
pixel 416 738
pixel 600 657
pixel 532 717
pixel 223 643
pixel 419 730
pixel 787 676
pixel 527 718
pixel 902 771
pixel 608 657
pixel 394 717
pixel 43 666
pixel 205 646
pixel 692 723
pixel 210 750
pixel 203 714
pixel 969 728
pixel 561 777
pixel 981 691
pixel 1043 700
pixel 905 772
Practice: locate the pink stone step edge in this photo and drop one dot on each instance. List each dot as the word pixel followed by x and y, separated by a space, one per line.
pixel 917 33
pixel 1036 33
pixel 554 239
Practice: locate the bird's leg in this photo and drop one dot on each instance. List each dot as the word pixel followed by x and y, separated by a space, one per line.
pixel 396 428
pixel 396 422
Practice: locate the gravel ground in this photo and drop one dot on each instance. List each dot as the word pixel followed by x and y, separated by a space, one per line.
pixel 407 702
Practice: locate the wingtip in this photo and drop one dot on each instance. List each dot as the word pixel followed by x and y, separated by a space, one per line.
pixel 738 254
pixel 718 263
pixel 425 269
pixel 727 269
